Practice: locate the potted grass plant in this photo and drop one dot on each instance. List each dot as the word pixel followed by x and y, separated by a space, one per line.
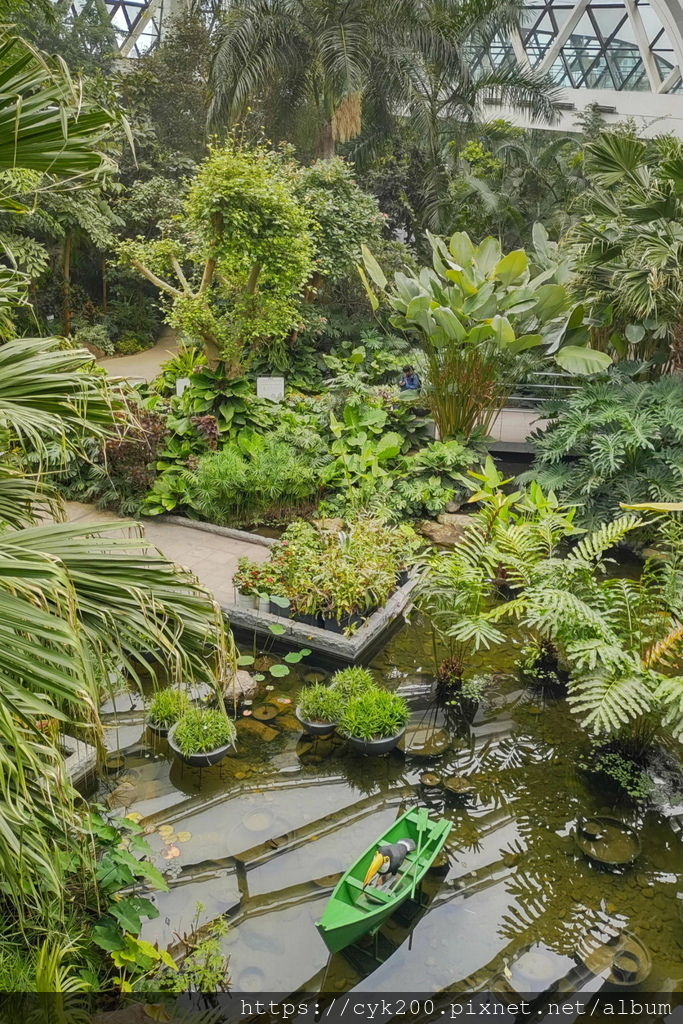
pixel 352 681
pixel 374 721
pixel 202 737
pixel 165 708
pixel 319 709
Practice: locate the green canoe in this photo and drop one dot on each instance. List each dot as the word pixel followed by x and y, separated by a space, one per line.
pixel 354 911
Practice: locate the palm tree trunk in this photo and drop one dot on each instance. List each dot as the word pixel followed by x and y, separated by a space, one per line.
pixel 326 143
pixel 66 282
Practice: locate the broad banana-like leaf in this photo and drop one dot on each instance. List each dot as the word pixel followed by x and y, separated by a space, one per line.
pixel 503 331
pixel 373 268
pixel 461 248
pixel 655 506
pixel 487 254
pixel 551 300
pixel 448 321
pixel 583 361
pixel 526 341
pixel 374 301
pixel 512 267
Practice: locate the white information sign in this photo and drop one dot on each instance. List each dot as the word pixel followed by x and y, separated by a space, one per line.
pixel 180 385
pixel 270 387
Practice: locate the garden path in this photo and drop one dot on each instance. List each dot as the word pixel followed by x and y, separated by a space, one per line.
pixel 143 365
pixel 212 558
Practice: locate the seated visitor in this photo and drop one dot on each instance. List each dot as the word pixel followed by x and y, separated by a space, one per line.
pixel 410 380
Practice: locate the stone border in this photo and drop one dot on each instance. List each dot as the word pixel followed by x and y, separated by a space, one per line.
pixel 220 531
pixel 349 649
pixel 80 762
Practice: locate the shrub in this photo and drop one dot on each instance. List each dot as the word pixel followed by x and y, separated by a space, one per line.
pixel 320 703
pixel 375 714
pixel 130 457
pixel 167 706
pixel 351 682
pixel 614 440
pixel 203 729
pixel 245 486
pixel 128 344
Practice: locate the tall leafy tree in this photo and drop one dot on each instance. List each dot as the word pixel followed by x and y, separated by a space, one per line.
pixel 359 67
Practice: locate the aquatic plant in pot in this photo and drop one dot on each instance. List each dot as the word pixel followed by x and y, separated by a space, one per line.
pixel 374 721
pixel 352 681
pixel 319 709
pixel 202 737
pixel 165 708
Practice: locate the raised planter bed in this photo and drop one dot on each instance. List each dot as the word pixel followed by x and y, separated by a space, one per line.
pixel 336 647
pixel 362 646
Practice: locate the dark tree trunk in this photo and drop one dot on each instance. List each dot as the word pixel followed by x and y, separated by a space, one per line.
pixel 326 143
pixel 66 279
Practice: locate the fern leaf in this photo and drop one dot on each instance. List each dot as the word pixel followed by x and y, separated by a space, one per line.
pixel 607 703
pixel 607 536
pixel 664 650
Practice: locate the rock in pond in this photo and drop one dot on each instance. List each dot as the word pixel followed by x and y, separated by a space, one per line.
pixel 242 685
pixel 447 531
pixel 251 727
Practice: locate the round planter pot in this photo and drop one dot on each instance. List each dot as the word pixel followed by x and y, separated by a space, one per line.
pixel 315 728
pixel 246 601
pixel 158 730
pixel 263 604
pixel 382 746
pixel 204 760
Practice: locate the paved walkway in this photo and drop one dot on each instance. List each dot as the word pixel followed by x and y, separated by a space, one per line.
pixel 143 365
pixel 213 559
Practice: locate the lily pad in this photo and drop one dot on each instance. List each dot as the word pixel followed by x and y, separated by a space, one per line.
pixel 170 853
pixel 245 659
pixel 293 657
pixel 183 837
pixel 276 629
pixel 134 816
pixel 279 671
pixel 166 830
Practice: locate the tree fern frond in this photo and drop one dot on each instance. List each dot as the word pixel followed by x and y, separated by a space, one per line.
pixel 670 694
pixel 606 703
pixel 665 650
pixel 607 536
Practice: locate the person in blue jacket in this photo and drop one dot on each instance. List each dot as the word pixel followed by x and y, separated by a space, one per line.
pixel 410 380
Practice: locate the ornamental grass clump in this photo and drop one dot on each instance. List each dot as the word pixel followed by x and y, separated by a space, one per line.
pixel 374 715
pixel 320 703
pixel 167 707
pixel 203 729
pixel 351 682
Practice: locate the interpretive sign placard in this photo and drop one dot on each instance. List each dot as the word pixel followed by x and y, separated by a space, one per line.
pixel 270 387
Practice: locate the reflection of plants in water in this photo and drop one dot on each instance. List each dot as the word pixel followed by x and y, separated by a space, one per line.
pixel 608 763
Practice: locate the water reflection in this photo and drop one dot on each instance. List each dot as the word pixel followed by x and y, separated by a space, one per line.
pixel 516 906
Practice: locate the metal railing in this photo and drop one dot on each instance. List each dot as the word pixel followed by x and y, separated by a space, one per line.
pixel 531 393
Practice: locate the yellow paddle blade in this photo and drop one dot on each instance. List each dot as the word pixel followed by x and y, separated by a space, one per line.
pixel 375 865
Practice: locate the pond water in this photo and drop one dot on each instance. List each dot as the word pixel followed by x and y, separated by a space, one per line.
pixel 263 836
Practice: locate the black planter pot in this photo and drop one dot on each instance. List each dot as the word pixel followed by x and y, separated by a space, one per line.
pixel 284 613
pixel 335 626
pixel 315 728
pixel 158 730
pixel 204 760
pixel 403 576
pixel 310 620
pixel 382 746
